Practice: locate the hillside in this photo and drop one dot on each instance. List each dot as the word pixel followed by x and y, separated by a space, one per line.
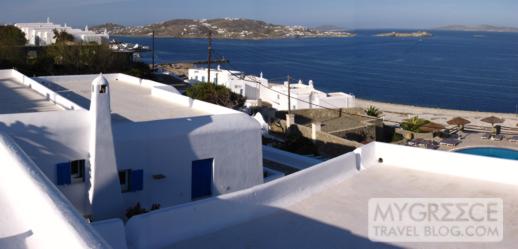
pixel 226 28
pixel 478 28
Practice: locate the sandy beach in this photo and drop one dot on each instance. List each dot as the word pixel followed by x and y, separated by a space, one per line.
pixel 398 113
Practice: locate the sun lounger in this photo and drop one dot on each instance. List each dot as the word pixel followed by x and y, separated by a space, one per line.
pixel 514 139
pixel 415 142
pixel 450 142
pixel 486 136
pixel 431 145
pixel 497 137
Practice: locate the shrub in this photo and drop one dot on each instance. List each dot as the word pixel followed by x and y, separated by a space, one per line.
pixel 373 111
pixel 414 124
pixel 216 94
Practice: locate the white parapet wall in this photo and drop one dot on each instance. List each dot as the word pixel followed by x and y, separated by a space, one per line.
pixel 166 93
pixel 439 162
pixel 171 94
pixel 289 159
pixel 41 89
pixel 149 84
pixel 167 226
pixel 35 213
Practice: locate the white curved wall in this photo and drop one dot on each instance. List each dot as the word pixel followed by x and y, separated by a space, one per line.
pixel 34 213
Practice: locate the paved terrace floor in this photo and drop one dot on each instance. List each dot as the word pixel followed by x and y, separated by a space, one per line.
pixel 17 98
pixel 337 217
pixel 128 102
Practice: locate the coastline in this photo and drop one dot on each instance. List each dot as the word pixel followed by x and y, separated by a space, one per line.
pixel 399 112
pixel 237 39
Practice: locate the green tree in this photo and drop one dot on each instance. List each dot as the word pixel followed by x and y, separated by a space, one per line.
pixel 11 36
pixel 63 37
pixel 216 94
pixel 12 42
pixel 373 111
pixel 414 124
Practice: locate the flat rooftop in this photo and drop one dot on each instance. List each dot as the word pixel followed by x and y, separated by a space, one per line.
pixel 337 216
pixel 128 102
pixel 17 98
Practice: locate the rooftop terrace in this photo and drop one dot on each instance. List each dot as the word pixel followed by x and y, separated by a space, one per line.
pixel 18 98
pixel 337 216
pixel 326 206
pixel 129 101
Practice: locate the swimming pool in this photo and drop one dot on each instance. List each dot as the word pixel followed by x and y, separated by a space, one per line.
pixel 491 152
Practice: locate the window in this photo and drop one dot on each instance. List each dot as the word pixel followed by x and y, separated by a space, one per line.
pixel 131 180
pixel 77 169
pixel 124 180
pixel 71 172
pixel 103 89
pixel 201 179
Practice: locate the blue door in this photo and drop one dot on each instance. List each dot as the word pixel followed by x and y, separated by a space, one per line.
pixel 201 179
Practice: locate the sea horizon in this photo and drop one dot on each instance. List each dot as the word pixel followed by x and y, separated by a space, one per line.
pixel 461 70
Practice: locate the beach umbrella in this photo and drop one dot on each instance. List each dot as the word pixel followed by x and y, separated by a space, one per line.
pixel 492 120
pixel 432 127
pixel 459 122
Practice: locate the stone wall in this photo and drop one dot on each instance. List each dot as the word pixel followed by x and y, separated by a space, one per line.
pixel 327 144
pixel 347 123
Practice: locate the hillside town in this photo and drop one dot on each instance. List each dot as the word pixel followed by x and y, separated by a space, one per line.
pixel 225 28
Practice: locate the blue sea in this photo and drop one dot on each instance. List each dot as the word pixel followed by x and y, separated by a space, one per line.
pixel 457 70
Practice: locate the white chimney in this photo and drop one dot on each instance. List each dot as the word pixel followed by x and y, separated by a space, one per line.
pixel 311 84
pixel 105 192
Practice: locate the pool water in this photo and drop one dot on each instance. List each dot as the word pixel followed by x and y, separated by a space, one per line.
pixel 491 152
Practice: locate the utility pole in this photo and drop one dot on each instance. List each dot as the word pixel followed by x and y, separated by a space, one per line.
pixel 289 95
pixel 210 56
pixel 153 53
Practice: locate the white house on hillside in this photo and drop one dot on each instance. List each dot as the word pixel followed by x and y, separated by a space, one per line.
pixel 42 34
pixel 258 88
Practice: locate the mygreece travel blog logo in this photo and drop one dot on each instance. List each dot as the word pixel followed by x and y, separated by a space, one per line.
pixel 436 220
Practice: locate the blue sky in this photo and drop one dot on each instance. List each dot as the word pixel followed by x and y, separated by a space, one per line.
pixel 345 13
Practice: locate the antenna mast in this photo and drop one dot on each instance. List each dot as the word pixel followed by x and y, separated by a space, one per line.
pixel 210 56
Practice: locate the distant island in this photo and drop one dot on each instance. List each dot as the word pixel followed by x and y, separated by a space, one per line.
pixel 417 34
pixel 223 28
pixel 478 28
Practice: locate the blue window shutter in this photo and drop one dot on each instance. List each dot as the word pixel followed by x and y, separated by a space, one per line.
pixel 137 180
pixel 64 173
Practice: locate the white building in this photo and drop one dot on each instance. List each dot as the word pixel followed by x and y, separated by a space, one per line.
pixel 257 89
pixel 109 142
pixel 42 34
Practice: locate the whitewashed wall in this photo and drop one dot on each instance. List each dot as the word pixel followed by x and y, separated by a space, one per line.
pixel 41 89
pixel 112 231
pixel 50 138
pixel 289 159
pixel 440 162
pixel 34 212
pixel 166 226
pixel 168 147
